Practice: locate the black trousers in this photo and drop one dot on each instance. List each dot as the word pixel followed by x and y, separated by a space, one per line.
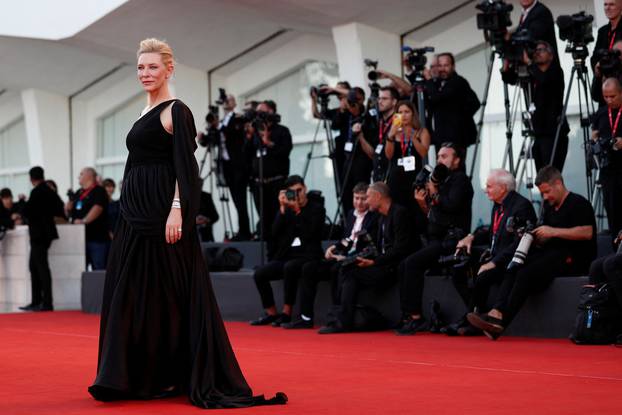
pixel 352 280
pixel 40 275
pixel 312 273
pixel 287 270
pixel 237 181
pixel 481 287
pixel 540 269
pixel 270 204
pixel 608 269
pixel 612 199
pixel 543 149
pixel 412 270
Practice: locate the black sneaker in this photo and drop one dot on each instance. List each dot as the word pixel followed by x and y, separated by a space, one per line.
pixel 282 319
pixel 333 329
pixel 29 307
pixel 298 324
pixel 411 327
pixel 491 326
pixel 264 320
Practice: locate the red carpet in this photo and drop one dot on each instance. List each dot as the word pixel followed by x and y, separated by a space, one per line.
pixel 48 359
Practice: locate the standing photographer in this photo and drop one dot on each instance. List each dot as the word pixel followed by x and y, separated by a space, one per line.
pixel 607 136
pixel 489 266
pixel 537 19
pixel 297 236
pixel 565 244
pixel 387 99
pixel 608 34
pixel 545 86
pixel 447 203
pixel 609 66
pixel 452 104
pixel 271 143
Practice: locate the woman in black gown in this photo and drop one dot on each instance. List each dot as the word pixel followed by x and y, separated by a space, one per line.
pixel 407 146
pixel 161 332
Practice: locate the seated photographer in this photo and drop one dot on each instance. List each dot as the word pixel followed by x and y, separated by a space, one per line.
pixel 451 104
pixel 546 86
pixel 271 145
pixel 446 199
pixel 359 221
pixel 387 99
pixel 11 214
pixel 607 146
pixel 564 244
pixel 89 206
pixel 608 36
pixel 406 148
pixel 537 19
pixel 395 240
pixel 487 267
pixel 608 269
pixel 297 238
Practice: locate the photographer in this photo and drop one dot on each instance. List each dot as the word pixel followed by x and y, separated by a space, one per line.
pixel 89 206
pixel 609 66
pixel 447 203
pixel 297 235
pixel 406 148
pixel 271 143
pixel 488 266
pixel 452 104
pixel 358 220
pixel 607 136
pixel 537 19
pixel 546 88
pixel 387 99
pixel 608 269
pixel 565 244
pixel 235 159
pixel 395 240
pixel 607 36
pixel 11 214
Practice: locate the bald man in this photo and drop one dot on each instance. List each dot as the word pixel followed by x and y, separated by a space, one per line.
pixel 607 125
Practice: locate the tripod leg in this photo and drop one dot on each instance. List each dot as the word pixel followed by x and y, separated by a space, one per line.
pixel 482 111
pixel 305 170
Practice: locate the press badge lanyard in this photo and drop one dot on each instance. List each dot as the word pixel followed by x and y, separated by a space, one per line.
pixel 83 196
pixel 496 223
pixel 407 145
pixel 612 37
pixel 349 146
pixel 614 127
pixel 384 129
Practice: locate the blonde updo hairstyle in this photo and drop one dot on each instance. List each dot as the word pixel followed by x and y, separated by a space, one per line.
pixel 153 45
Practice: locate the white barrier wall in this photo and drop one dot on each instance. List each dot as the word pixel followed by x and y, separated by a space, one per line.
pixel 67 261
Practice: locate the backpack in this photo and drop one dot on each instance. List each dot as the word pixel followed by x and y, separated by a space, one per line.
pixel 597 317
pixel 224 259
pixel 365 318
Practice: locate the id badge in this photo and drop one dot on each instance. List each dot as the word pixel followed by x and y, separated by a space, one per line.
pixel 296 242
pixel 79 205
pixel 408 163
pixel 348 147
pixel 379 148
pixel 400 162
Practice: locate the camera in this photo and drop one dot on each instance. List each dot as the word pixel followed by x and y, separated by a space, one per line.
pixel 367 249
pixel 222 96
pixel 343 247
pixel 436 175
pixel 601 149
pixel 374 87
pixel 71 195
pixel 524 229
pixel 494 20
pixel 576 28
pixel 291 195
pixel 417 60
pixel 372 75
pixel 458 260
pixel 520 43
pixel 610 64
pixel 259 119
pixel 212 135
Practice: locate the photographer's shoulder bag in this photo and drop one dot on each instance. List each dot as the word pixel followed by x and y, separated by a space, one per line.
pixel 597 316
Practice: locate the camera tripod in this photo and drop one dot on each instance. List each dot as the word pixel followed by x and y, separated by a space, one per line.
pixel 217 178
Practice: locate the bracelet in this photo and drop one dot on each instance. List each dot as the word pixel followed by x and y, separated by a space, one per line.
pixel 176 200
pixel 176 205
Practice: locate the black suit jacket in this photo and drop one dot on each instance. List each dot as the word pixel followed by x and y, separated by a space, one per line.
pixel 540 24
pixel 41 208
pixel 605 38
pixel 396 236
pixel 370 224
pixel 236 143
pixel 504 242
pixel 452 110
pixel 307 226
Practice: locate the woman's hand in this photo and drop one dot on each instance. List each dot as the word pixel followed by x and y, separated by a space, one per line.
pixel 173 226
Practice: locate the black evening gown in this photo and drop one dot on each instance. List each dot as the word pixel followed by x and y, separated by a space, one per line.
pixel 161 332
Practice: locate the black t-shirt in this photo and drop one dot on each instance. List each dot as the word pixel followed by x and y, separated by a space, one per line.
pixel 602 124
pixel 575 211
pixel 96 231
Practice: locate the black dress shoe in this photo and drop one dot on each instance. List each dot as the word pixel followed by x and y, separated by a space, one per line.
pixel 29 307
pixel 43 307
pixel 411 327
pixel 298 324
pixel 491 326
pixel 264 320
pixel 282 319
pixel 333 329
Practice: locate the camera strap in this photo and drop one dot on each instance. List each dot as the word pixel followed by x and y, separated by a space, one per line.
pixel 614 127
pixel 612 37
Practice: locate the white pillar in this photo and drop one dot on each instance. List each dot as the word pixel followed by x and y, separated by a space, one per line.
pixel 46 116
pixel 355 42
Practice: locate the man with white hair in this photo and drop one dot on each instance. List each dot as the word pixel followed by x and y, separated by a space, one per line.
pixel 490 266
